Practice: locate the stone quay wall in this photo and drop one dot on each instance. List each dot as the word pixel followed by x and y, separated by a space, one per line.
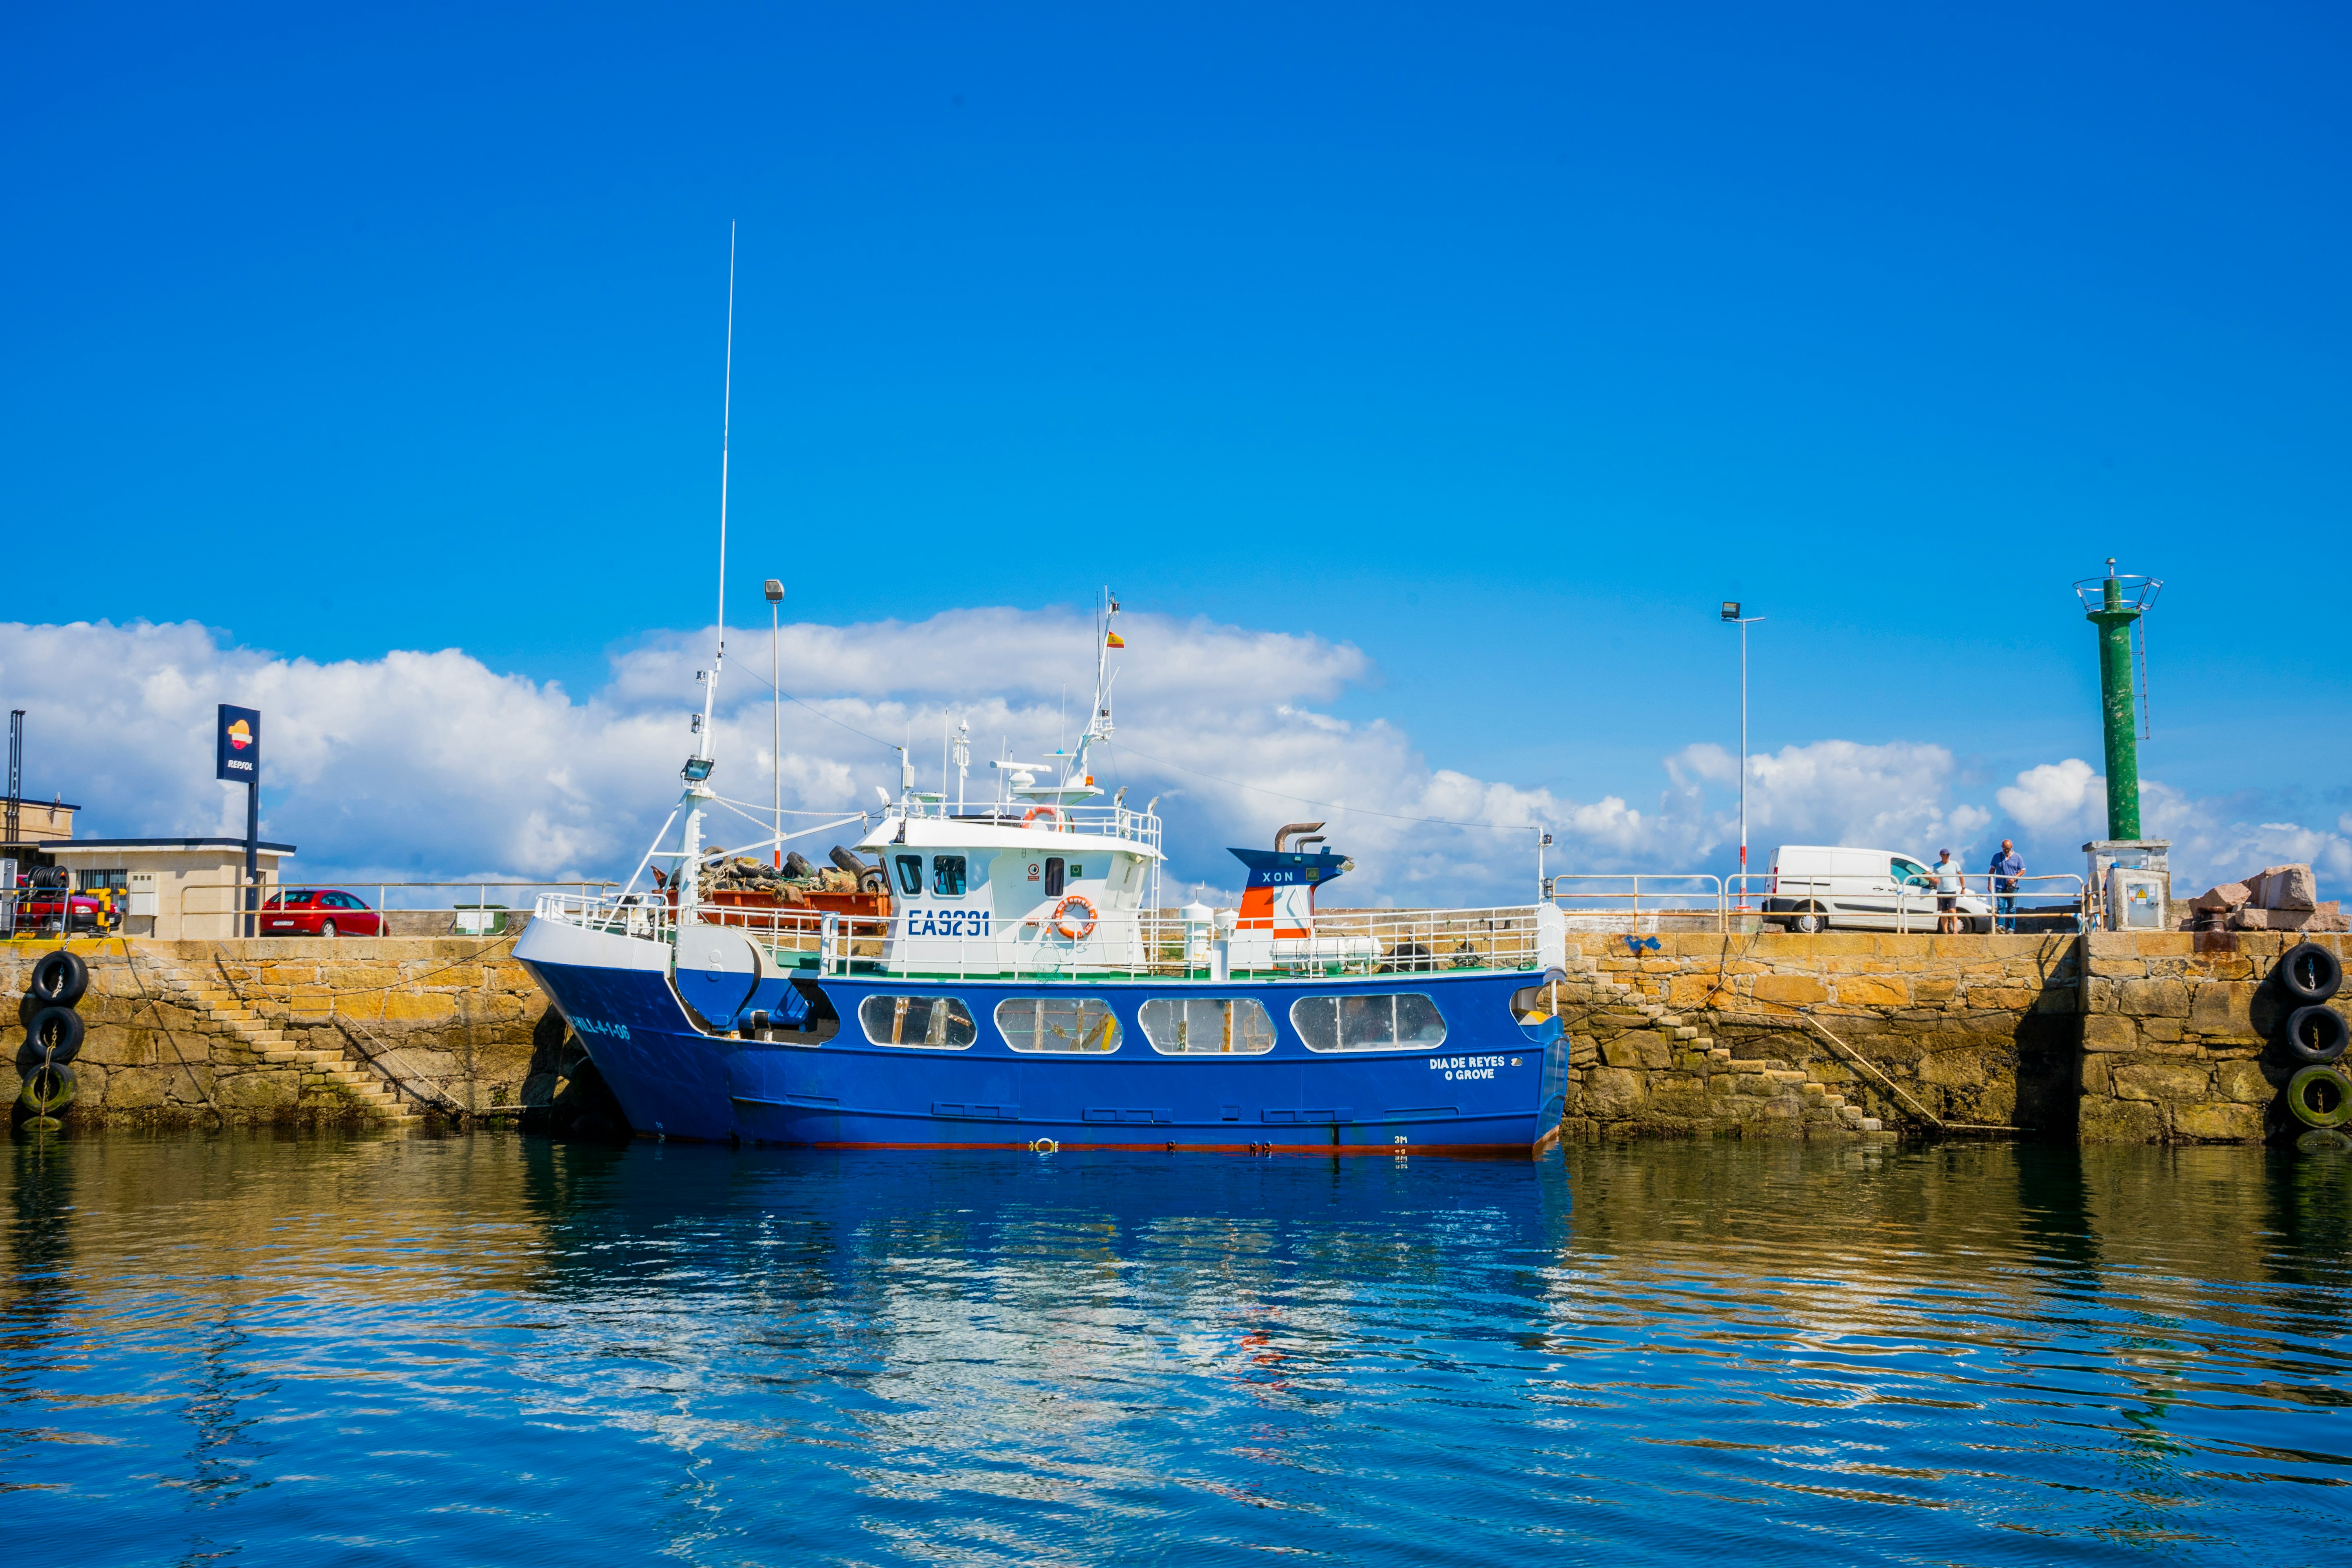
pixel 1697 1033
pixel 2107 1037
pixel 296 1029
pixel 2177 1029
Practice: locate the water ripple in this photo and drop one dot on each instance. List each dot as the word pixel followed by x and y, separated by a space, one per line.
pixel 493 1350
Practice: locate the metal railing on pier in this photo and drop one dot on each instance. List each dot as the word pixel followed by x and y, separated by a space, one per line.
pixel 1615 896
pixel 481 916
pixel 2057 902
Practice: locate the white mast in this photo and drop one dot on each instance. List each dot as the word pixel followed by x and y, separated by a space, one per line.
pixel 1098 724
pixel 698 767
pixel 726 415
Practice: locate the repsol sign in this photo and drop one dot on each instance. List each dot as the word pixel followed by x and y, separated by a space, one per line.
pixel 237 745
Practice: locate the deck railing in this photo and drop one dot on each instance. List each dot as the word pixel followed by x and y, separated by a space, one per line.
pixel 1115 821
pixel 1149 942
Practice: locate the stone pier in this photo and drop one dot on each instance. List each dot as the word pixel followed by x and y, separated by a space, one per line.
pixel 297 1029
pixel 2113 1037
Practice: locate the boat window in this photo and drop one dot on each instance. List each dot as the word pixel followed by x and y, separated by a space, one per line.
pixel 910 874
pixel 937 1023
pixel 1383 1021
pixel 1054 877
pixel 947 874
pixel 1533 1004
pixel 1207 1025
pixel 1057 1024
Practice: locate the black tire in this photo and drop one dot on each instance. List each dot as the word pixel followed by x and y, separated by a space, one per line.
pixel 2309 973
pixel 56 1033
pixel 846 861
pixel 59 979
pixel 327 929
pixel 1808 922
pixel 2332 1089
pixel 2315 1035
pixel 47 1090
pixel 1980 924
pixel 873 882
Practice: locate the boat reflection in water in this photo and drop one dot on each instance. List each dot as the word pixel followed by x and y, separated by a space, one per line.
pixel 500 1351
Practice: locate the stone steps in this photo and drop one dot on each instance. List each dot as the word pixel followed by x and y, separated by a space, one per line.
pixel 328 1070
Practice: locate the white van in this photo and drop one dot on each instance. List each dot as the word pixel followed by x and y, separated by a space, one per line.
pixel 1817 886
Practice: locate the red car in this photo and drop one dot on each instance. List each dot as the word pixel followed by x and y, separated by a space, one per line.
pixel 318 911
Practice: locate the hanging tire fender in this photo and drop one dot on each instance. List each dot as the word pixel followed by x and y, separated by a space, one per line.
pixel 2307 1091
pixel 53 1034
pixel 59 978
pixel 2316 1034
pixel 2306 971
pixel 47 1089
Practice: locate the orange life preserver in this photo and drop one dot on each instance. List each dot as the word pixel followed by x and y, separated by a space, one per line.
pixel 1063 925
pixel 1035 812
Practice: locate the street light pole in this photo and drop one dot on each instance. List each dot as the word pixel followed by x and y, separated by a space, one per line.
pixel 776 689
pixel 1731 614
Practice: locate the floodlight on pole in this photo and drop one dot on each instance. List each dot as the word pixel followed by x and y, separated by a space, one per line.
pixel 776 688
pixel 1731 616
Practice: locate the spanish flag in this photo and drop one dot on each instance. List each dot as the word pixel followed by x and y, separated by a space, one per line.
pixel 1116 641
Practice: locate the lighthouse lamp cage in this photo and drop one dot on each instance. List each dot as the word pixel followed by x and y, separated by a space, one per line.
pixel 2133 591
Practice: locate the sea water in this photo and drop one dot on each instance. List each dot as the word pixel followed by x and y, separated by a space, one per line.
pixel 491 1349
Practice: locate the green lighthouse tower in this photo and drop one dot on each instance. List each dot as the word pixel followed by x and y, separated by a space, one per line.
pixel 2112 603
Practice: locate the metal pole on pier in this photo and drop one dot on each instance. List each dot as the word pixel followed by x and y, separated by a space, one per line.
pixel 776 690
pixel 1731 614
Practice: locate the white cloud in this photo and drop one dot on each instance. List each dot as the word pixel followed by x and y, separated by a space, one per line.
pixel 1887 796
pixel 2210 847
pixel 2057 797
pixel 430 763
pixel 420 764
pixel 2063 805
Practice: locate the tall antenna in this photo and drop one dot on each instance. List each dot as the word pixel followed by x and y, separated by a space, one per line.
pixel 725 415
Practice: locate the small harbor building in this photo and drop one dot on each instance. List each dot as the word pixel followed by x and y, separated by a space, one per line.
pixel 172 889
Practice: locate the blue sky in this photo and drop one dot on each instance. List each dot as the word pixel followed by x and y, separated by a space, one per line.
pixel 1498 344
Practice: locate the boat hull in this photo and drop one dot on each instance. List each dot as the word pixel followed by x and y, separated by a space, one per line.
pixel 1493 1086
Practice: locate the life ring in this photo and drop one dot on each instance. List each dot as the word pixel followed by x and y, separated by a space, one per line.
pixel 1035 812
pixel 1063 925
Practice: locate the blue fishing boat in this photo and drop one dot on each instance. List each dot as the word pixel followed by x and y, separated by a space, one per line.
pixel 1009 980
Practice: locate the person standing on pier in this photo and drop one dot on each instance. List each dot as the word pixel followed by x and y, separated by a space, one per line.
pixel 2006 867
pixel 1947 893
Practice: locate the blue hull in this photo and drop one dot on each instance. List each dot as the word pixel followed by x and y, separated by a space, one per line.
pixel 675 1079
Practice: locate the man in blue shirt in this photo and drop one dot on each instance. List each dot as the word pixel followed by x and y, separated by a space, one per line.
pixel 2006 868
